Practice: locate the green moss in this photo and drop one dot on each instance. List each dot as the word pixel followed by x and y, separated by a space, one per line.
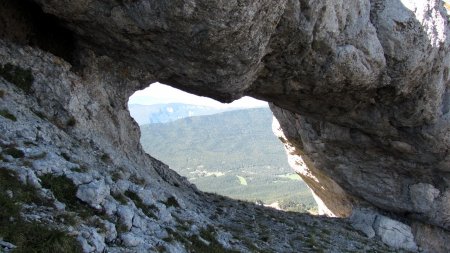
pixel 22 78
pixel 14 152
pixel 148 210
pixel 8 115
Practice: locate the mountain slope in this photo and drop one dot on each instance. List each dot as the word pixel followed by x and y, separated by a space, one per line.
pixel 163 113
pixel 232 153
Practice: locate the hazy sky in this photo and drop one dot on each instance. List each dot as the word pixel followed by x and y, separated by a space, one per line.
pixel 162 94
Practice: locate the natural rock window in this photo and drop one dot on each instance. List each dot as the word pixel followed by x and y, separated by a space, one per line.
pixel 227 149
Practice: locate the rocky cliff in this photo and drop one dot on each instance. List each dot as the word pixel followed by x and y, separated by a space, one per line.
pixel 360 91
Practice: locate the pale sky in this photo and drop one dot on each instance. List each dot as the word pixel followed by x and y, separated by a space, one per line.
pixel 162 94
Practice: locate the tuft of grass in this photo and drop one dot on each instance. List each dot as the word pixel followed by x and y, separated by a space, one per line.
pixel 22 78
pixel 105 158
pixel 41 115
pixel 65 156
pixel 148 210
pixel 14 152
pixel 171 201
pixel 120 198
pixel 8 115
pixel 137 180
pixel 81 169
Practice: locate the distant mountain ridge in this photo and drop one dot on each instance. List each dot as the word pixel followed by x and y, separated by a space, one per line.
pixel 163 113
pixel 232 153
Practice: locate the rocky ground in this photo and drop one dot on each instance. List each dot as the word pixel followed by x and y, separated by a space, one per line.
pixel 66 187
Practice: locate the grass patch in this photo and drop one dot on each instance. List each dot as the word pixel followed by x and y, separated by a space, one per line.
pixel 148 210
pixel 8 115
pixel 65 191
pixel 14 152
pixel 37 238
pixel 22 78
pixel 120 198
pixel 81 169
pixel 27 236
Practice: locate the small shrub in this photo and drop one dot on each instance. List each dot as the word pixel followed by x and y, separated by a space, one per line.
pixel 105 158
pixel 8 115
pixel 71 122
pixel 14 152
pixel 116 176
pixel 171 201
pixel 65 156
pixel 22 78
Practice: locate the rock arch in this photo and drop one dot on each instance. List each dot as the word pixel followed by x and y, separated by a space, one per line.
pixel 361 89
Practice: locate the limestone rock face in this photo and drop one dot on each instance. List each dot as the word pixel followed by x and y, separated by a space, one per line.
pixel 360 88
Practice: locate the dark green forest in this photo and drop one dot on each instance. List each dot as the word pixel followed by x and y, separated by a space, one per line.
pixel 232 153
